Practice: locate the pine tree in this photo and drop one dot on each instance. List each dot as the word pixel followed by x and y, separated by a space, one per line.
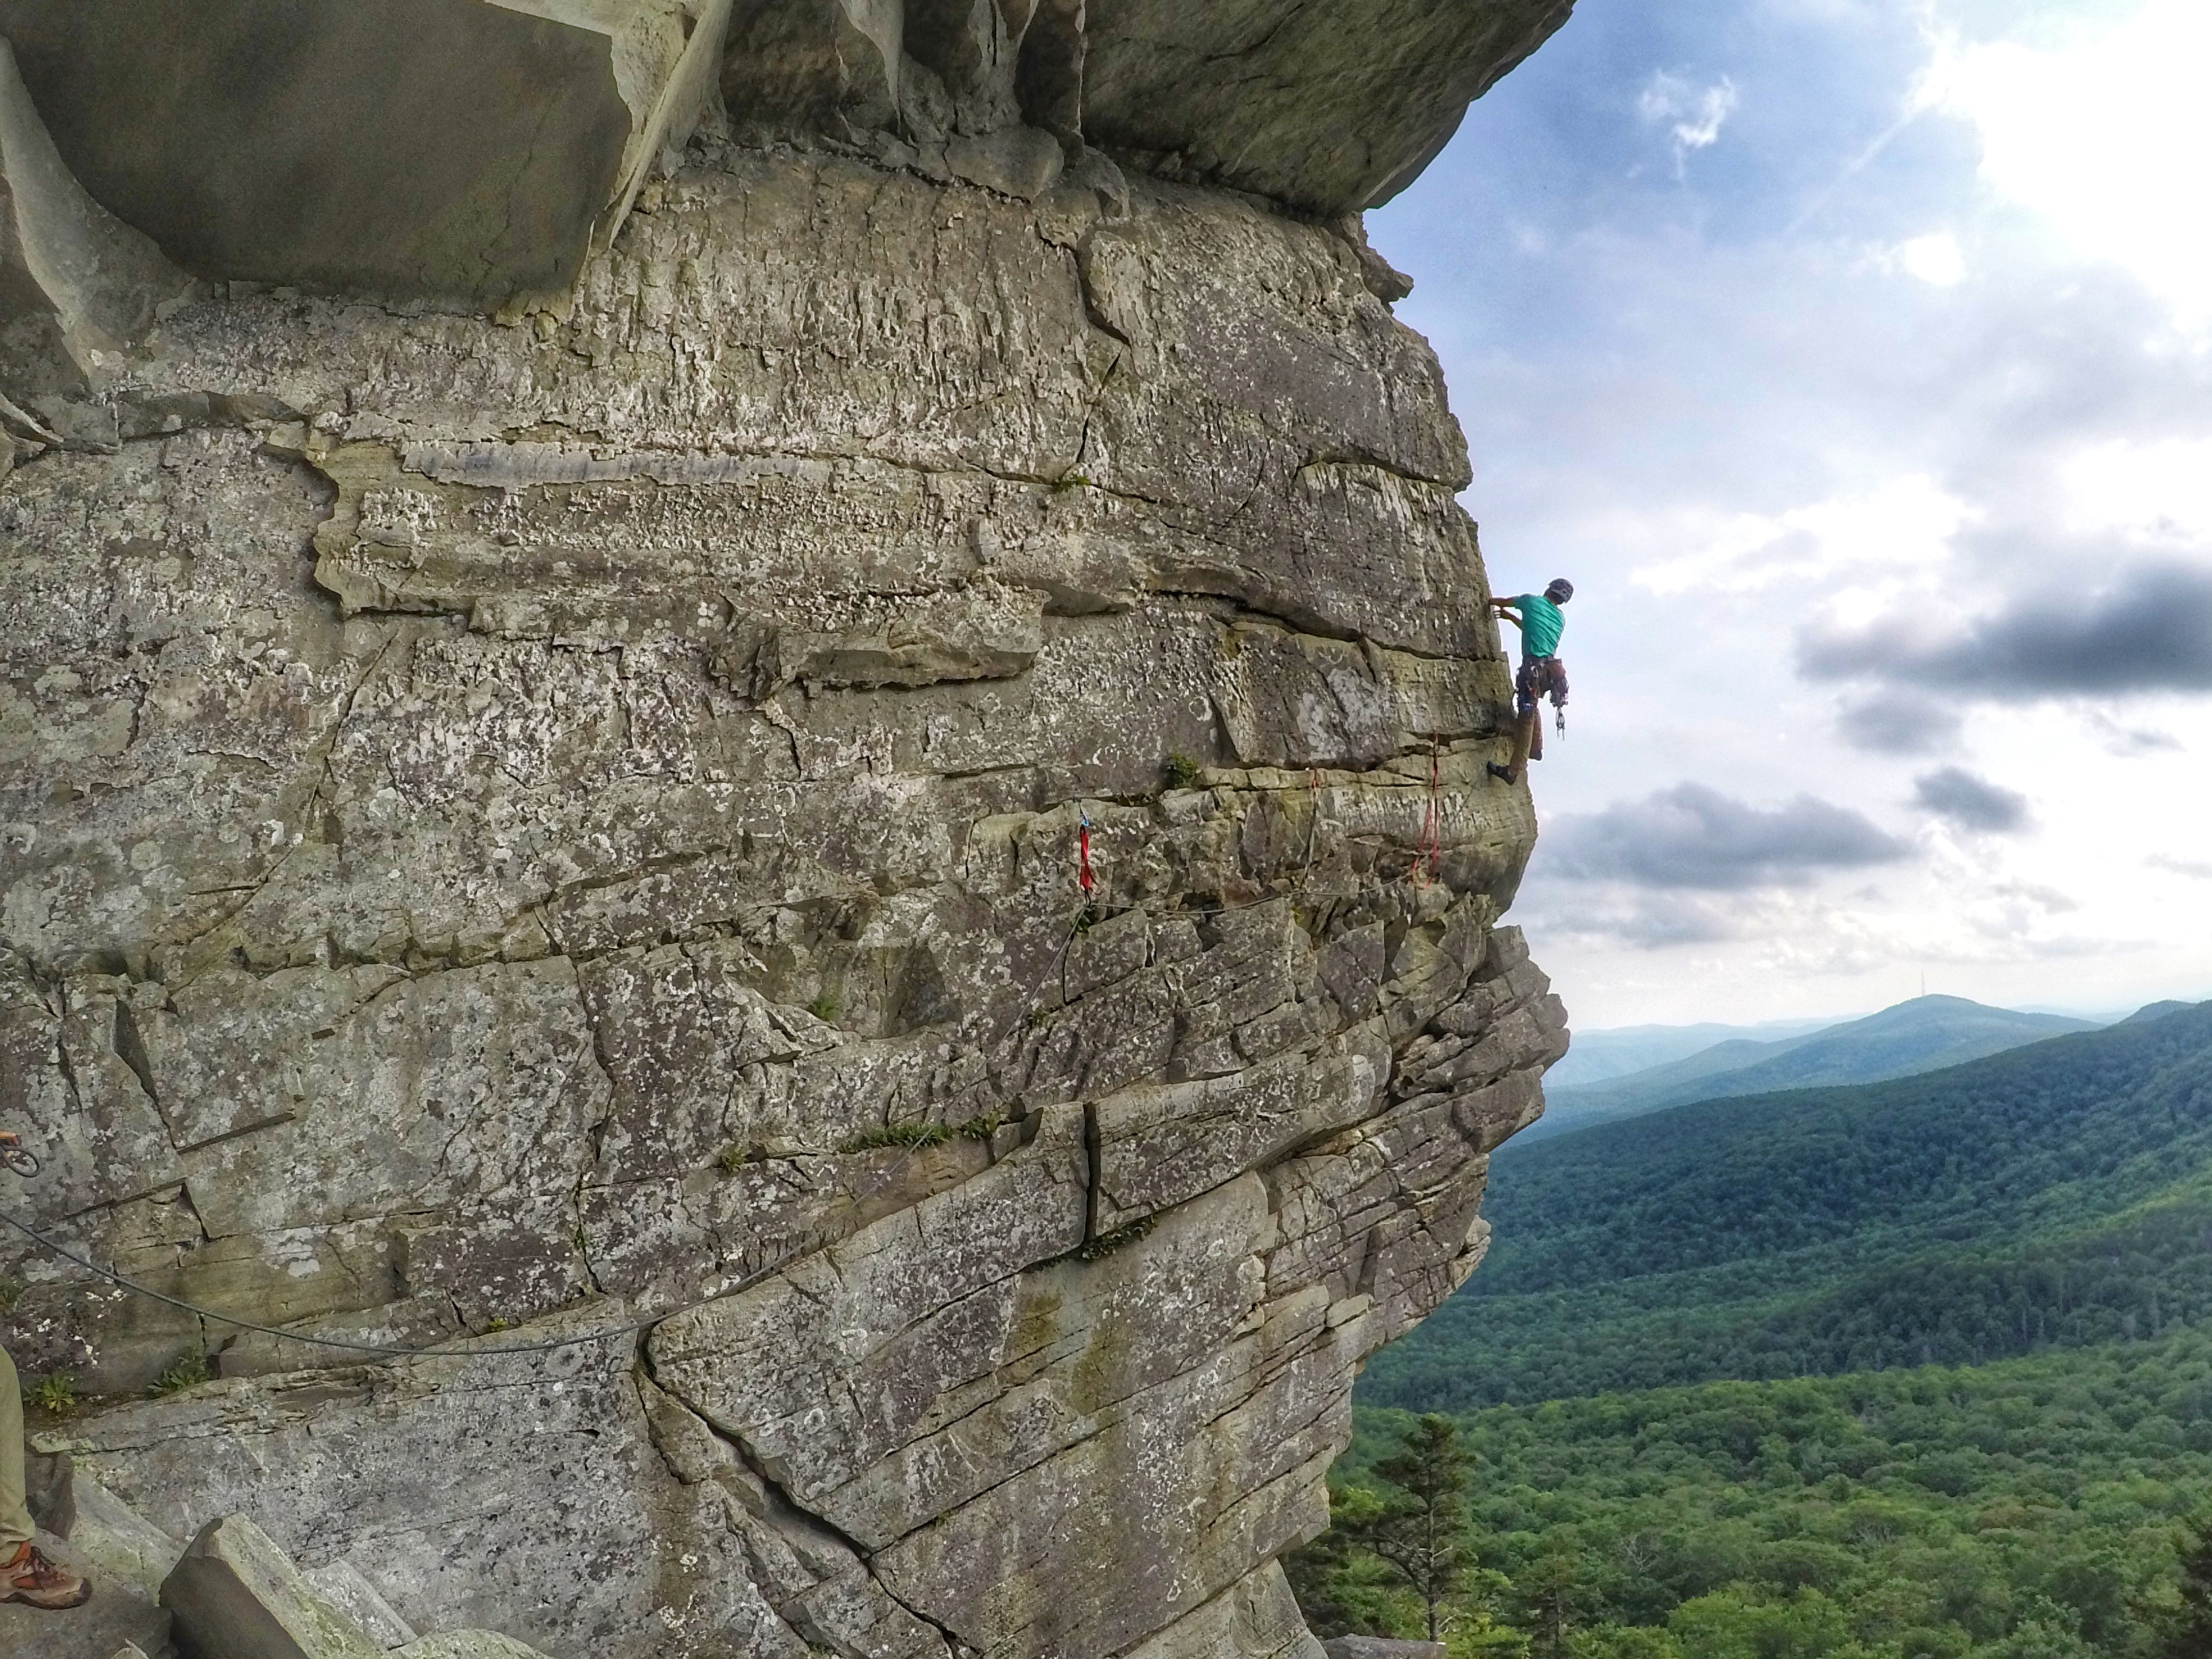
pixel 1420 1527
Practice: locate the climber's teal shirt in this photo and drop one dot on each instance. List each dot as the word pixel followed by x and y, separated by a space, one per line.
pixel 1541 624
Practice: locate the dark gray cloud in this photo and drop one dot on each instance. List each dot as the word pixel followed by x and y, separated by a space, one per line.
pixel 1956 796
pixel 1692 836
pixel 1898 723
pixel 2149 631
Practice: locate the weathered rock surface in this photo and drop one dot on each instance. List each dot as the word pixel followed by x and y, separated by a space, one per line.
pixel 568 829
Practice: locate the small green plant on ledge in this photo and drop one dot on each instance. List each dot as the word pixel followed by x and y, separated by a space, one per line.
pixel 11 1292
pixel 735 1156
pixel 1067 481
pixel 1181 771
pixel 187 1373
pixel 824 1008
pixel 925 1134
pixel 1106 1244
pixel 56 1395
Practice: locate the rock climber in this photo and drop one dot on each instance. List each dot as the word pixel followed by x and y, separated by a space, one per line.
pixel 1541 622
pixel 26 1576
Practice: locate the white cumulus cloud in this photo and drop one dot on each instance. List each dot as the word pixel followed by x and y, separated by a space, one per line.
pixel 2109 139
pixel 1697 114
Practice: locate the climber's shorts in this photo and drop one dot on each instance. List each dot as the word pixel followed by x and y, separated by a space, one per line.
pixel 1540 676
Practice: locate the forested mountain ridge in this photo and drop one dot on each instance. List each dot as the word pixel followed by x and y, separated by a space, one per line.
pixel 2033 1509
pixel 1925 1034
pixel 2053 1195
pixel 1604 1056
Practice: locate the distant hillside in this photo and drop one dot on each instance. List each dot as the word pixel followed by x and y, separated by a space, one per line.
pixel 1923 1034
pixel 2054 1196
pixel 1603 1056
pixel 2154 1011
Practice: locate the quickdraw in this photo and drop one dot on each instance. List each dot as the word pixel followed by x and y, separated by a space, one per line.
pixel 20 1158
pixel 1084 878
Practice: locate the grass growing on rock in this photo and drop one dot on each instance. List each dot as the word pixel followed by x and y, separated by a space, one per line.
pixel 925 1134
pixel 1106 1244
pixel 187 1373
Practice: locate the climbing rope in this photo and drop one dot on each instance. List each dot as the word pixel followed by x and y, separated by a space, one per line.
pixel 14 1159
pixel 1433 823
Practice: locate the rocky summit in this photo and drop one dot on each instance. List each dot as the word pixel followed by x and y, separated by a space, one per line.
pixel 772 716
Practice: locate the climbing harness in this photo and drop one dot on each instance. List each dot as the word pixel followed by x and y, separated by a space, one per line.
pixel 15 1158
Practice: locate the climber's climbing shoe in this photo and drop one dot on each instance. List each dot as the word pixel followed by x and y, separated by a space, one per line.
pixel 28 1577
pixel 1504 773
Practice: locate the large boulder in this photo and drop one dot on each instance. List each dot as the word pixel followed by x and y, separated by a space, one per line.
pixel 235 1595
pixel 461 151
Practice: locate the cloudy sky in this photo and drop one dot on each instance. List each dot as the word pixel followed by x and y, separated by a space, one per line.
pixel 1854 357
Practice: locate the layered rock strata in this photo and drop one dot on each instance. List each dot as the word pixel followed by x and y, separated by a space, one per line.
pixel 570 827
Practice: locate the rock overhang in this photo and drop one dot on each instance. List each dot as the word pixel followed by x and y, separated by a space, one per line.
pixel 463 152
pixel 469 154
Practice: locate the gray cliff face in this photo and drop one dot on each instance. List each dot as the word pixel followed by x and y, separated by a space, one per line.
pixel 532 822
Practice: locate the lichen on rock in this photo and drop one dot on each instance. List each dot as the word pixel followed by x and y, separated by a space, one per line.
pixel 556 809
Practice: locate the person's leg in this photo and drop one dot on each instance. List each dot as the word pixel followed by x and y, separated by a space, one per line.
pixel 1524 730
pixel 13 1515
pixel 26 1576
pixel 1528 740
pixel 15 1527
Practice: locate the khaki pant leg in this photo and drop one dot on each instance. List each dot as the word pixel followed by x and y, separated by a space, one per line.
pixel 1524 730
pixel 14 1518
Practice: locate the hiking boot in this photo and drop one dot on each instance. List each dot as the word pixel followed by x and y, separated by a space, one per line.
pixel 28 1577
